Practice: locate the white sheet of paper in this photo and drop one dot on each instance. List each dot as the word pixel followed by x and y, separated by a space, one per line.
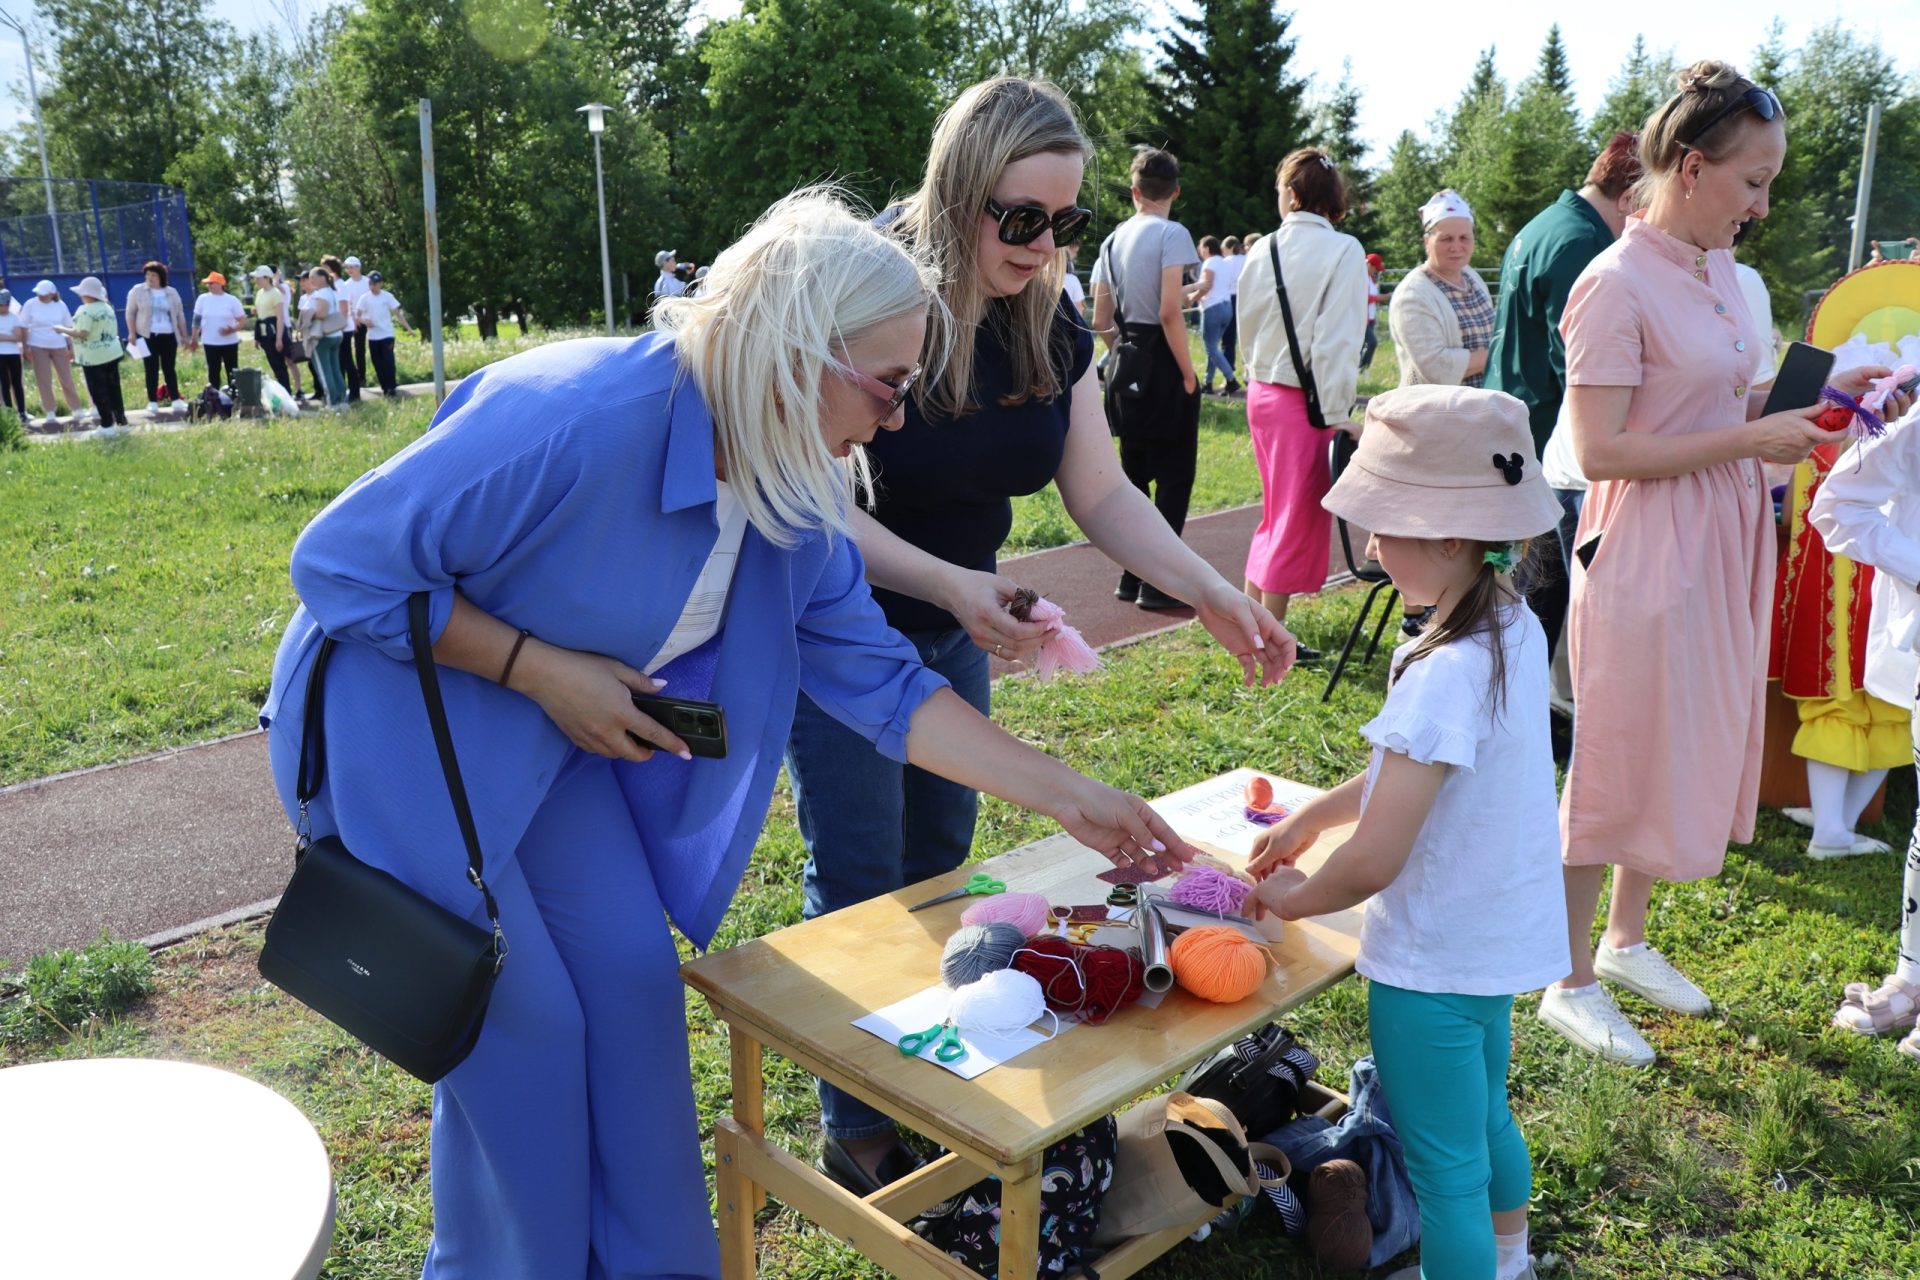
pixel 927 1009
pixel 1215 810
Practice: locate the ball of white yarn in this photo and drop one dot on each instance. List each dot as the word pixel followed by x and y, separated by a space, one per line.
pixel 998 1004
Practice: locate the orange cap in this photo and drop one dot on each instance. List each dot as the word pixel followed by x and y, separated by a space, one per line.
pixel 214 277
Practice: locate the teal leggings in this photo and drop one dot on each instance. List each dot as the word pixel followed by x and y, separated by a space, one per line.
pixel 1443 1064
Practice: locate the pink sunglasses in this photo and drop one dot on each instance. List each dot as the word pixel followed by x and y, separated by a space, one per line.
pixel 893 396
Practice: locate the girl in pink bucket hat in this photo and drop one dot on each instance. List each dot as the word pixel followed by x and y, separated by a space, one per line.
pixel 1457 852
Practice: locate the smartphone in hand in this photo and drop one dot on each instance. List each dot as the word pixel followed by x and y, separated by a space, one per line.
pixel 701 725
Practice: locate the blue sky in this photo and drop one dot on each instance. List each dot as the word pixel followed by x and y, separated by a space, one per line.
pixel 1413 58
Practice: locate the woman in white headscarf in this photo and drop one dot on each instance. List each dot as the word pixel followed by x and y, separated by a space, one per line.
pixel 1442 316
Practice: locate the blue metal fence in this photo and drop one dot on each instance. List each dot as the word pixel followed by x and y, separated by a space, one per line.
pixel 97 227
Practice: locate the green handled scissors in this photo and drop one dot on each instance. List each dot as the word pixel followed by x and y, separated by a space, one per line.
pixel 980 883
pixel 944 1038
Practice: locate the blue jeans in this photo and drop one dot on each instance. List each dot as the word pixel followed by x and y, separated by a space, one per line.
pixel 1368 345
pixel 872 826
pixel 1213 327
pixel 326 358
pixel 1571 500
pixel 1443 1064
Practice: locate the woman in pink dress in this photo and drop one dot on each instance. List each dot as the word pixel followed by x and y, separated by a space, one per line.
pixel 1326 277
pixel 1673 566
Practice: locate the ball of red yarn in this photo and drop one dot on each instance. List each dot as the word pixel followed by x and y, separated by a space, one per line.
pixel 1093 982
pixel 1218 963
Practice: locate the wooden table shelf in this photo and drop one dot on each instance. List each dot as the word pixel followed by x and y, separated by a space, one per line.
pixel 797 991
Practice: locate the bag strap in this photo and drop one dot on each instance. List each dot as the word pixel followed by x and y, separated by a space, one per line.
pixel 1113 283
pixel 1274 1158
pixel 1300 369
pixel 1236 1179
pixel 313 754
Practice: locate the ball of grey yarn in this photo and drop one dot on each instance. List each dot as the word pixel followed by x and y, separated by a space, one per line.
pixel 979 949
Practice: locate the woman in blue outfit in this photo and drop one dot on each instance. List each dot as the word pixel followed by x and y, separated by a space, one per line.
pixel 1016 407
pixel 671 505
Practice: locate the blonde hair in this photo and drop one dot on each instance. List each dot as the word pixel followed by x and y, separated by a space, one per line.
pixel 990 126
pixel 780 305
pixel 1705 90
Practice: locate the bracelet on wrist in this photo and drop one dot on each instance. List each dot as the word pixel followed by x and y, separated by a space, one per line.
pixel 512 657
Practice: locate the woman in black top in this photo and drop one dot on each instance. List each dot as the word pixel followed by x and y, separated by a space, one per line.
pixel 1016 406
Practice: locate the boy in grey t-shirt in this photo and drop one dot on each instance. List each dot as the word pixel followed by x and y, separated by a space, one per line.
pixel 1138 281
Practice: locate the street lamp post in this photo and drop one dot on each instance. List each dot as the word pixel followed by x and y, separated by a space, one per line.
pixel 597 125
pixel 33 96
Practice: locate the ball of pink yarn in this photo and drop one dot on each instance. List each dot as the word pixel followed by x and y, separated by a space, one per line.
pixel 1027 910
pixel 1206 889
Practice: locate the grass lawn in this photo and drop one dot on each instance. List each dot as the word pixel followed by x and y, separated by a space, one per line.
pixel 1764 1143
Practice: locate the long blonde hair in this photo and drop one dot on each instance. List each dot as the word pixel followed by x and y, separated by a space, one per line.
pixel 990 126
pixel 808 278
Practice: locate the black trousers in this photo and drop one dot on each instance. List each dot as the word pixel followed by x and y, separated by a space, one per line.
pixel 353 360
pixel 1230 340
pixel 161 349
pixel 266 333
pixel 1159 436
pixel 381 350
pixel 13 386
pixel 103 388
pixel 217 356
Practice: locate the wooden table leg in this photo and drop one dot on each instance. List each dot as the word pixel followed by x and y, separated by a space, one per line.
pixel 1020 1225
pixel 739 1198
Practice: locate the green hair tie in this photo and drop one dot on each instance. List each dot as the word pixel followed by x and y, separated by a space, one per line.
pixel 1500 557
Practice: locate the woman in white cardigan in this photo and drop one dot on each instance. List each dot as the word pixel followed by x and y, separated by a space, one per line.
pixel 1326 277
pixel 1442 315
pixel 154 313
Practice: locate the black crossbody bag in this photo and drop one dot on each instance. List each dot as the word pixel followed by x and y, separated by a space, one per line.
pixel 381 960
pixel 1308 387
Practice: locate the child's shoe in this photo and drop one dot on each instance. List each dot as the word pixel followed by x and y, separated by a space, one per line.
pixel 1587 1017
pixel 1642 970
pixel 1858 845
pixel 1911 1045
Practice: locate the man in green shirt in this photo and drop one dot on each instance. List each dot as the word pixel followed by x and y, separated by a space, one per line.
pixel 1528 358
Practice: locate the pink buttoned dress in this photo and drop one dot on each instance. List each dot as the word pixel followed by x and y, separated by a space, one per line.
pixel 1670 621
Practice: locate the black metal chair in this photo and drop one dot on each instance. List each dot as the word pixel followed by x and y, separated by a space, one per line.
pixel 1339 453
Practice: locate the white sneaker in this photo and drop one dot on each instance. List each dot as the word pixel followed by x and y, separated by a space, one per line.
pixel 1648 974
pixel 152 407
pixel 1802 816
pixel 109 431
pixel 1860 845
pixel 1587 1017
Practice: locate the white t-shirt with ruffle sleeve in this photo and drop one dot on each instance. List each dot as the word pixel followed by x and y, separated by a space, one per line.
pixel 1480 908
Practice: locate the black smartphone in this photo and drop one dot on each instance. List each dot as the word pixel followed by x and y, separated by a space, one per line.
pixel 701 725
pixel 1587 550
pixel 1803 372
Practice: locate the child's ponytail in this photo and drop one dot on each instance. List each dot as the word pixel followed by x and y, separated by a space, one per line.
pixel 1479 610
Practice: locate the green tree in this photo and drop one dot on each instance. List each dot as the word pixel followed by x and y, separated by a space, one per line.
pixel 1644 81
pixel 1336 130
pixel 1475 150
pixel 234 175
pixel 131 83
pixel 1067 42
pixel 513 163
pixel 803 90
pixel 1230 108
pixel 1541 151
pixel 1412 175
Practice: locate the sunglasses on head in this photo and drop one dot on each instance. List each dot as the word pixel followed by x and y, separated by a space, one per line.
pixel 1763 101
pixel 1025 223
pixel 893 395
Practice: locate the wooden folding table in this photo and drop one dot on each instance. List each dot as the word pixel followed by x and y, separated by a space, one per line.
pixel 798 990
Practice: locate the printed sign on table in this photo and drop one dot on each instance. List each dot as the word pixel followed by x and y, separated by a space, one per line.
pixel 1215 810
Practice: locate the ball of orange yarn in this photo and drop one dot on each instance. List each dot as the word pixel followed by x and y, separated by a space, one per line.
pixel 1218 963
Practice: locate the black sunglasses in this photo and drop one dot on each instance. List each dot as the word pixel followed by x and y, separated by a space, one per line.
pixel 1763 101
pixel 1025 223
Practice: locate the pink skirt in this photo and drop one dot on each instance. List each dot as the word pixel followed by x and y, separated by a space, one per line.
pixel 1289 551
